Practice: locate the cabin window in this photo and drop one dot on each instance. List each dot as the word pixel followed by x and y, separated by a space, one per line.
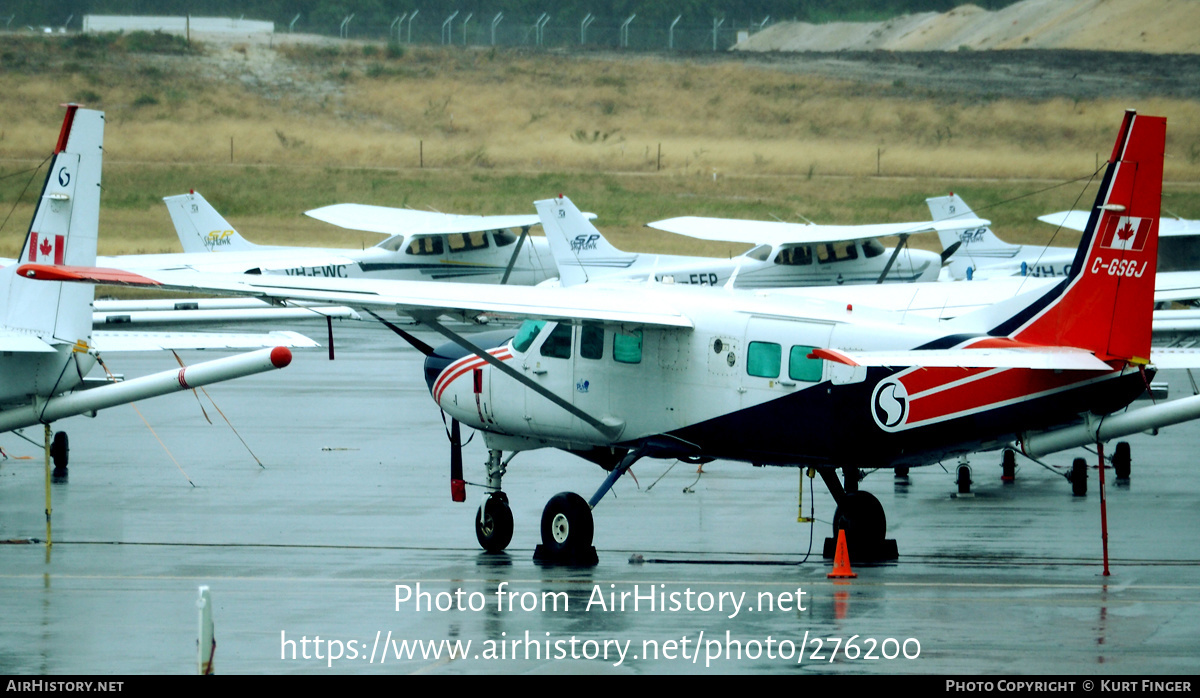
pixel 763 359
pixel 427 244
pixel 794 255
pixel 627 348
pixel 504 238
pixel 558 342
pixel 392 244
pixel 802 368
pixel 591 341
pixel 465 242
pixel 761 253
pixel 526 333
pixel 837 252
pixel 872 248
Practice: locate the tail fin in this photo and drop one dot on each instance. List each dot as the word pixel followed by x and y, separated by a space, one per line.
pixel 200 228
pixel 1106 303
pixel 973 244
pixel 578 248
pixel 63 231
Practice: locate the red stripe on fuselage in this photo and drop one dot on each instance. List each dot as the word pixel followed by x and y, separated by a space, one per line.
pixel 462 366
pixel 958 395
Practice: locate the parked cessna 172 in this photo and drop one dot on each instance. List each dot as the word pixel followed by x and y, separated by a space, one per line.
pixel 618 372
pixel 46 337
pixel 981 254
pixel 784 254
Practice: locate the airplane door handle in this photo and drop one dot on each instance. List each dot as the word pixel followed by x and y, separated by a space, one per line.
pixel 788 384
pixel 539 371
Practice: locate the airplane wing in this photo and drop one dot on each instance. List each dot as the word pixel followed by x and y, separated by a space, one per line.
pixel 1077 220
pixel 394 221
pixel 620 305
pixel 1046 358
pixel 778 232
pixel 160 341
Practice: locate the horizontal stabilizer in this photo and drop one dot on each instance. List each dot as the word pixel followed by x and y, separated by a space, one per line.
pixel 22 342
pixel 1046 358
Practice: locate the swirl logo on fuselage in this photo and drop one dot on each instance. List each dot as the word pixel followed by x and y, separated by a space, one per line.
pixel 889 404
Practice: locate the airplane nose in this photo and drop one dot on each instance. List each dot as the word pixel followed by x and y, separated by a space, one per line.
pixel 450 352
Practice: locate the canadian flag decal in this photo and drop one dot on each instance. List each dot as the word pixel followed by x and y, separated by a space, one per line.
pixel 47 247
pixel 1125 233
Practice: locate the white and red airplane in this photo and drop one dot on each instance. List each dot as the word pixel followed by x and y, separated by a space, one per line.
pixel 47 346
pixel 618 372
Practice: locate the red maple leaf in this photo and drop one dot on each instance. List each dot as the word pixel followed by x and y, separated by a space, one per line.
pixel 45 248
pixel 1126 232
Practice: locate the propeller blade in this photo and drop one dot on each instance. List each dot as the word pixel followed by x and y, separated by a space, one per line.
pixel 949 251
pixel 458 487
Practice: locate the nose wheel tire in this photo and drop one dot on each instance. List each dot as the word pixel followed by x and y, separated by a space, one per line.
pixel 863 520
pixel 567 525
pixel 494 523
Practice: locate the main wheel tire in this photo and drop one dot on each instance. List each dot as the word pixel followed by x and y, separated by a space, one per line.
pixel 494 524
pixel 863 520
pixel 567 526
pixel 1122 460
pixel 1079 477
pixel 59 450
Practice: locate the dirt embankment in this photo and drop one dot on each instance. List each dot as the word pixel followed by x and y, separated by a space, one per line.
pixel 1148 26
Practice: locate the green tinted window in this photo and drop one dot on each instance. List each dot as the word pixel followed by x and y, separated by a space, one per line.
pixel 763 359
pixel 591 341
pixel 558 344
pixel 802 368
pixel 627 348
pixel 526 333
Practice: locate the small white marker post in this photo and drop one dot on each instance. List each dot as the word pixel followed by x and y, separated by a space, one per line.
pixel 207 643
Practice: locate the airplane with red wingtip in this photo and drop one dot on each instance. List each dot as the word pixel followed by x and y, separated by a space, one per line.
pixel 47 346
pixel 618 372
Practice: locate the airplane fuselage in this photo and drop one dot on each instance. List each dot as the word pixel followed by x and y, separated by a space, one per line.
pixel 741 385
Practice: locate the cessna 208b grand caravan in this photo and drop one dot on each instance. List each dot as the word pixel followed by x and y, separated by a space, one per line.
pixel 47 346
pixel 618 372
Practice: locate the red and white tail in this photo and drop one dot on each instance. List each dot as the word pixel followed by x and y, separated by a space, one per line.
pixel 1105 305
pixel 63 231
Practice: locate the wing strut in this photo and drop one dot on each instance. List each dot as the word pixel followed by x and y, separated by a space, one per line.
pixel 610 431
pixel 513 260
pixel 895 253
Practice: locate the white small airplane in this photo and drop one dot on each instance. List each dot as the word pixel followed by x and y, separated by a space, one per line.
pixel 784 254
pixel 420 245
pixel 47 346
pixel 981 254
pixel 615 372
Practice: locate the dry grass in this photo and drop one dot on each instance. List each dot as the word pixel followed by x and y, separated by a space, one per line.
pixel 501 129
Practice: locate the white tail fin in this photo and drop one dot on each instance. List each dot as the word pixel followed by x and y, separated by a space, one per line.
pixel 200 228
pixel 63 231
pixel 975 244
pixel 577 246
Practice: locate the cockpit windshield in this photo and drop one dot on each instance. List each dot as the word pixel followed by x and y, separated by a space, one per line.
pixel 393 244
pixel 526 333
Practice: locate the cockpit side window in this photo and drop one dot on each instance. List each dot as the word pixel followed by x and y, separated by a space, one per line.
pixel 837 252
pixel 463 242
pixel 794 255
pixel 558 342
pixel 526 333
pixel 627 347
pixel 426 245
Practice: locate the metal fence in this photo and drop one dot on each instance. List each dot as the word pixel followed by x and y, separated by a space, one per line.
pixel 546 31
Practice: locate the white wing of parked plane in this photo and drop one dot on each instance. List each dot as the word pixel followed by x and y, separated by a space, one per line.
pixel 160 341
pixel 778 232
pixel 396 221
pixel 1077 220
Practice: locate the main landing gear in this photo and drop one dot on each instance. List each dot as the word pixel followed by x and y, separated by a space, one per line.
pixel 567 526
pixel 861 516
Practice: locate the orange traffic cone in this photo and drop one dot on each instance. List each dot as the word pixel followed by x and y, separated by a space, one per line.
pixel 841 559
